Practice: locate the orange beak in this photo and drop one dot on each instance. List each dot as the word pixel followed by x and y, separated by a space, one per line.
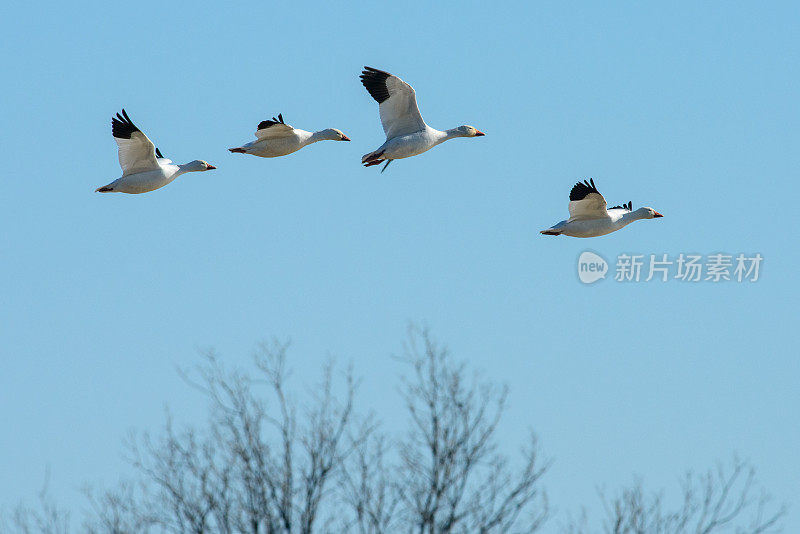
pixel 479 133
pixel 210 167
pixel 657 215
pixel 345 138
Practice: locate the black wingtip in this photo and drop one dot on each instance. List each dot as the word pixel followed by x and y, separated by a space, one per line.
pixel 270 122
pixel 122 126
pixel 374 81
pixel 582 189
pixel 373 69
pixel 158 153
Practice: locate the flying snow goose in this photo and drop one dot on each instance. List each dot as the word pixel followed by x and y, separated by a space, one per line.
pixel 144 169
pixel 276 138
pixel 406 133
pixel 589 216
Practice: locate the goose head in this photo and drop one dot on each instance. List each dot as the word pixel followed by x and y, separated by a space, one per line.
pixel 648 213
pixel 469 131
pixel 333 134
pixel 198 165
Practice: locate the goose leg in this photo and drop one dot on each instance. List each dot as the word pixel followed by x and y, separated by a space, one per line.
pixel 372 159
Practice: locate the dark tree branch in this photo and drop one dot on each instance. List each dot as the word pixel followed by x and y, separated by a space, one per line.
pixel 720 500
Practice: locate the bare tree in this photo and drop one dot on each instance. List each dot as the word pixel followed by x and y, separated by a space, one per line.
pixel 46 518
pixel 368 490
pixel 258 468
pixel 268 464
pixel 447 475
pixel 720 500
pixel 120 511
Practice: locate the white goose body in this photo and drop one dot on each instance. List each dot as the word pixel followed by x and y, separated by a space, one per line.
pixel 144 182
pixel 407 134
pixel 275 138
pixel 144 169
pixel 413 144
pixel 590 217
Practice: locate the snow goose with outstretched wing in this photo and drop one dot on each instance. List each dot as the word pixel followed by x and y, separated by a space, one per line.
pixel 276 138
pixel 144 169
pixel 589 215
pixel 406 132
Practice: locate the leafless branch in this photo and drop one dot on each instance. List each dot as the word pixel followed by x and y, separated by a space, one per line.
pixel 47 518
pixel 720 500
pixel 450 476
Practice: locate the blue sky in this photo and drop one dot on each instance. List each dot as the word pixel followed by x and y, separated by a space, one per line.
pixel 689 108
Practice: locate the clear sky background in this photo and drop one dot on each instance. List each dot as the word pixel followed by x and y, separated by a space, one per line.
pixel 691 109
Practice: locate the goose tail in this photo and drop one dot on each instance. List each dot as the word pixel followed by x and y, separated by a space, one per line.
pixel 550 231
pixel 373 158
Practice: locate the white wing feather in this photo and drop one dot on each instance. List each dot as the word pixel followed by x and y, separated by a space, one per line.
pixel 136 154
pixel 593 206
pixel 399 113
pixel 276 130
pixel 397 102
